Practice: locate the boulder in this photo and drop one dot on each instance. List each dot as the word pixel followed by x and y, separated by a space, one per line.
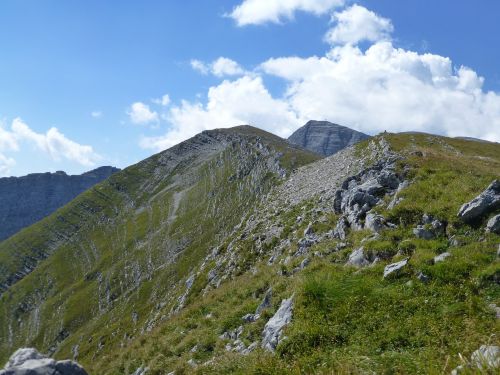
pixel 422 232
pixel 274 327
pixel 358 258
pixel 493 224
pixel 483 204
pixel 266 302
pixel 395 268
pixel 28 361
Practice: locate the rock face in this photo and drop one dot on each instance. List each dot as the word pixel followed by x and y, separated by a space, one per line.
pixel 484 203
pixel 28 199
pixel 272 331
pixel 325 138
pixel 28 361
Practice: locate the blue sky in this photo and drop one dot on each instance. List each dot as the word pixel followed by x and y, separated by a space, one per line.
pixel 82 82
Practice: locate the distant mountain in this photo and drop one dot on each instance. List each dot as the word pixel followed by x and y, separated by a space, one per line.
pixel 325 138
pixel 25 200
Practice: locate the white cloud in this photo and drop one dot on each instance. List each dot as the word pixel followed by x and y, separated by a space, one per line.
pixel 140 113
pixel 243 101
pixel 163 101
pixel 199 66
pixel 221 67
pixel 255 12
pixel 356 24
pixel 96 114
pixel 53 143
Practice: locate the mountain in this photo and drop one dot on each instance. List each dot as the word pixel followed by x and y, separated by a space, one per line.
pixel 325 138
pixel 28 199
pixel 237 252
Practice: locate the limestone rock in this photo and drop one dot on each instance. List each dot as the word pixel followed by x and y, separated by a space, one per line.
pixel 394 268
pixel 28 361
pixel 374 222
pixel 358 258
pixel 274 327
pixel 486 357
pixel 493 224
pixel 484 203
pixel 325 138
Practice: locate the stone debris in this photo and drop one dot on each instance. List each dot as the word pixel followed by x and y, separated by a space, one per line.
pixel 28 361
pixel 484 203
pixel 441 257
pixel 271 334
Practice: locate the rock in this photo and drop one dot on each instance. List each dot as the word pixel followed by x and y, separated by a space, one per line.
pixel 495 309
pixel 340 230
pixel 394 268
pixel 274 327
pixel 486 357
pixel 192 363
pixel 309 230
pixel 441 257
pixel 484 203
pixel 421 232
pixel 250 348
pixel 423 277
pixel 374 222
pixel 325 138
pixel 493 224
pixel 250 318
pixel 266 302
pixel 28 361
pixel 358 258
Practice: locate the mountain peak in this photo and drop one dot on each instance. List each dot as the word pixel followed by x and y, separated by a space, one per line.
pixel 325 138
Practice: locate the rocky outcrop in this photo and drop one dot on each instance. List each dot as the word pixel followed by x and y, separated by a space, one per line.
pixel 484 359
pixel 271 334
pixel 28 199
pixel 484 203
pixel 325 138
pixel 28 361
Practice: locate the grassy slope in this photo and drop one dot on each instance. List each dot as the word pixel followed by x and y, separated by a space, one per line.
pixel 347 320
pixel 119 250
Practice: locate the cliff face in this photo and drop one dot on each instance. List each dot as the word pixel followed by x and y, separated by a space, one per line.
pixel 325 138
pixel 25 200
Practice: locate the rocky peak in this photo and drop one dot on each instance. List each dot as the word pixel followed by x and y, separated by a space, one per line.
pixel 325 138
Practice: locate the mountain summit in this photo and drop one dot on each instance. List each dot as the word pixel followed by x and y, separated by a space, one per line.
pixel 325 138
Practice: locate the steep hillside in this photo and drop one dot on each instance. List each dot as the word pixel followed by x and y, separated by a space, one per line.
pixel 357 263
pixel 28 199
pixel 325 138
pixel 111 259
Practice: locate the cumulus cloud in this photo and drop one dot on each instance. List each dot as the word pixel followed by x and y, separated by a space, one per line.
pixel 221 67
pixel 371 89
pixel 96 114
pixel 163 101
pixel 243 101
pixel 140 113
pixel 52 143
pixel 356 24
pixel 255 12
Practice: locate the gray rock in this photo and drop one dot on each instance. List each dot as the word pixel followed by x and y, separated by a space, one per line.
pixel 308 231
pixel 441 257
pixel 28 361
pixel 325 138
pixel 266 302
pixel 28 199
pixel 141 371
pixel 395 268
pixel 421 232
pixel 493 224
pixel 358 258
pixel 271 334
pixel 423 277
pixel 374 222
pixel 250 348
pixel 486 357
pixel 250 318
pixel 495 309
pixel 484 203
pixel 340 230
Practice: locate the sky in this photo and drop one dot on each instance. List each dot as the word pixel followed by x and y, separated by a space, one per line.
pixel 85 83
